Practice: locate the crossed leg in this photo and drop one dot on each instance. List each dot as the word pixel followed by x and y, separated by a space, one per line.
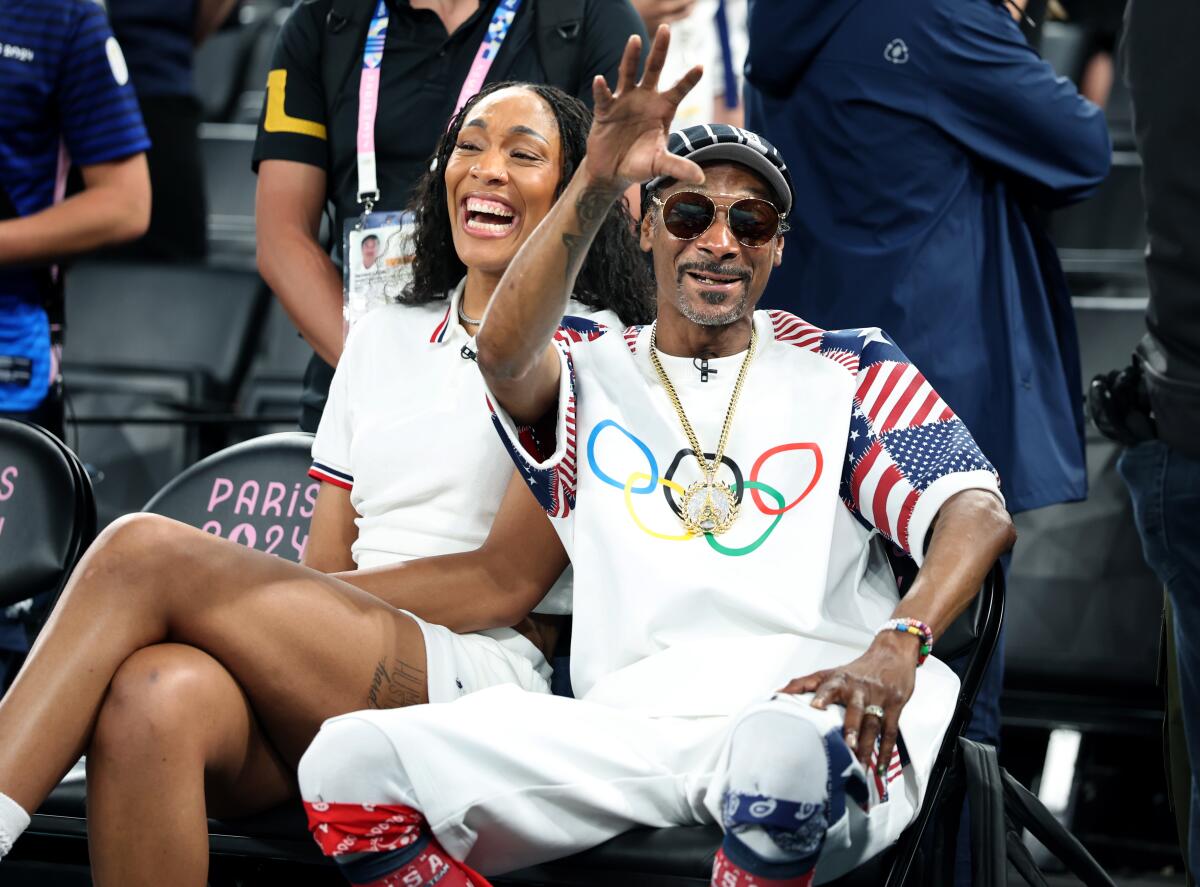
pixel 191 668
pixel 176 741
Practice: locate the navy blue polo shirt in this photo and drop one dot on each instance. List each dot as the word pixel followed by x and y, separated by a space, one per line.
pixel 63 84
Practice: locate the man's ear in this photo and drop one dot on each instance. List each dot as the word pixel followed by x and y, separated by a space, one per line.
pixel 778 252
pixel 646 230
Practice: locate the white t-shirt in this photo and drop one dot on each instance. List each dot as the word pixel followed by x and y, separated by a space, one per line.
pixel 835 429
pixel 403 432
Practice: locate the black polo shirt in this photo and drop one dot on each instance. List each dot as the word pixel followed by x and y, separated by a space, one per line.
pixel 423 72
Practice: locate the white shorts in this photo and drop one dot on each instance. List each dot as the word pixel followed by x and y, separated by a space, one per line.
pixel 458 664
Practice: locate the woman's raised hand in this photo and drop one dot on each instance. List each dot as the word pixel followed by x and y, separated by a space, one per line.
pixel 628 141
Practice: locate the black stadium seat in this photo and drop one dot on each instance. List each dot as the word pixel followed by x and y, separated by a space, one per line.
pixel 47 516
pixel 1108 225
pixel 275 380
pixel 47 520
pixel 274 403
pixel 132 459
pixel 220 66
pixel 165 317
pixel 254 84
pixel 226 150
pixel 257 493
pixel 148 347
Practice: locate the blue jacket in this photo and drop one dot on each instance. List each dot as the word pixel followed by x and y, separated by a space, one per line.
pixel 922 137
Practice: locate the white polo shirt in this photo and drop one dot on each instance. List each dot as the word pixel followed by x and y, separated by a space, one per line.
pixel 837 438
pixel 404 433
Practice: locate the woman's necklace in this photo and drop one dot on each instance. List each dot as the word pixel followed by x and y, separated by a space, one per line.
pixel 462 315
pixel 709 505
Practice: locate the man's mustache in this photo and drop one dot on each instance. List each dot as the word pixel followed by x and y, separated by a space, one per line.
pixel 711 268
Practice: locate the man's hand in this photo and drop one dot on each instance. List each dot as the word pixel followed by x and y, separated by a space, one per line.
pixel 971 530
pixel 628 141
pixel 627 144
pixel 882 676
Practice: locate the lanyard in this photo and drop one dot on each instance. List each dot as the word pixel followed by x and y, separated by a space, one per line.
pixel 502 19
pixel 368 86
pixel 731 85
pixel 368 105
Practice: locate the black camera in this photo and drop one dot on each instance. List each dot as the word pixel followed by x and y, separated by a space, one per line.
pixel 1119 405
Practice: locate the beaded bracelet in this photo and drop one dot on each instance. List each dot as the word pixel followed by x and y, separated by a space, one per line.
pixel 914 627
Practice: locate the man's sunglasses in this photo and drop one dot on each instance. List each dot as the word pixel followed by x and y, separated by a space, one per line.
pixel 753 221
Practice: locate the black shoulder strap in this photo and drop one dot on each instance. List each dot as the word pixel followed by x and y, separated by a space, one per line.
pixel 342 44
pixel 559 41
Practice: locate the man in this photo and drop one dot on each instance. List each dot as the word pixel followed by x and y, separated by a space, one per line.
pixel 66 98
pixel 160 38
pixel 927 138
pixel 370 251
pixel 315 136
pixel 1154 406
pixel 66 94
pixel 706 581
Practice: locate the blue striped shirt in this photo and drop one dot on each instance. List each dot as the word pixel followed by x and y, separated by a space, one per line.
pixel 63 82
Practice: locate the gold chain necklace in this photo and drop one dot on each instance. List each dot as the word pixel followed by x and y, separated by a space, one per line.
pixel 709 506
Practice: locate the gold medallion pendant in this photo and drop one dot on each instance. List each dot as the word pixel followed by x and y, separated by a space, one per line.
pixel 708 508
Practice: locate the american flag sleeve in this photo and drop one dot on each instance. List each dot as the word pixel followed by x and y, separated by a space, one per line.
pixel 547 464
pixel 906 450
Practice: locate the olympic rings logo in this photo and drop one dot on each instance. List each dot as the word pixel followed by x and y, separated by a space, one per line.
pixel 643 483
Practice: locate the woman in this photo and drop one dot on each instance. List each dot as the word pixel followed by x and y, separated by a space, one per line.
pixel 387 495
pixel 194 672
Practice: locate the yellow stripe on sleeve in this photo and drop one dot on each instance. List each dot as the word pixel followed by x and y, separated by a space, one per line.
pixel 277 119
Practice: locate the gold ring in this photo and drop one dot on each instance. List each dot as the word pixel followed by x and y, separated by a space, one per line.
pixel 874 711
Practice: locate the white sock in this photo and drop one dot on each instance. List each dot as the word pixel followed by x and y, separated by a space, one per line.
pixel 13 821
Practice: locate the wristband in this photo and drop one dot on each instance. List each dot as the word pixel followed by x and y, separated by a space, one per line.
pixel 913 627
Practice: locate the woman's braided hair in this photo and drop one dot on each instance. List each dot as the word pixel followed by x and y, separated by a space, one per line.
pixel 615 274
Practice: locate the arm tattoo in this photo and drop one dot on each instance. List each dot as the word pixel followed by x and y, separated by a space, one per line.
pixel 399 684
pixel 576 245
pixel 591 208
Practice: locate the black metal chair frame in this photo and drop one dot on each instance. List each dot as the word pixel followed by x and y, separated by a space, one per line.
pixel 941 808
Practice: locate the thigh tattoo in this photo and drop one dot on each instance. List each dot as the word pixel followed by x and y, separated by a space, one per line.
pixel 396 685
